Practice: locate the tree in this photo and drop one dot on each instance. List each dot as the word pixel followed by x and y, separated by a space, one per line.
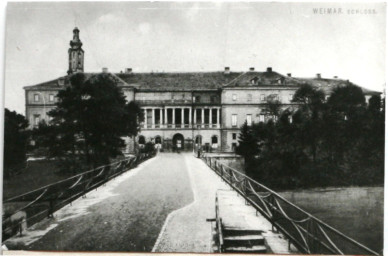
pixel 347 99
pixel 344 121
pixel 309 116
pixel 273 107
pixel 89 120
pixel 15 141
pixel 247 144
pixel 310 98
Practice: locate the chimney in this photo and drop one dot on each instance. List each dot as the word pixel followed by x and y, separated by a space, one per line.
pixel 289 74
pixel 104 70
pixel 128 71
pixel 227 70
pixel 269 69
pixel 251 69
pixel 318 76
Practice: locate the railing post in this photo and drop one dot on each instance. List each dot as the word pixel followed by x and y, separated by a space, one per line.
pixel 51 209
pixel 245 186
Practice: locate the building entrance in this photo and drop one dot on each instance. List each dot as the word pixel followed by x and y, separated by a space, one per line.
pixel 178 141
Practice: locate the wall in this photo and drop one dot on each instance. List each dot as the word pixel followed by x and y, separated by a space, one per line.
pixel 163 97
pixel 285 95
pixel 167 136
pixel 44 97
pixel 37 110
pixel 40 107
pixel 129 94
pixel 232 160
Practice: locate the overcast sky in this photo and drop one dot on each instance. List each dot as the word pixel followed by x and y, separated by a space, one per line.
pixel 288 37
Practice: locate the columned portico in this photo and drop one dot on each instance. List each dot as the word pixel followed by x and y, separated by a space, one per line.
pixel 181 117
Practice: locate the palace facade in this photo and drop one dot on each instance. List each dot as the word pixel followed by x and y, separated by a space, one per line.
pixel 187 110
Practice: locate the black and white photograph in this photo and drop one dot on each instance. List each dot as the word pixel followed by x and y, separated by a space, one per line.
pixel 194 127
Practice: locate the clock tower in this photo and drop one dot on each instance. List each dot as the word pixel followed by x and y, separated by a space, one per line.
pixel 76 54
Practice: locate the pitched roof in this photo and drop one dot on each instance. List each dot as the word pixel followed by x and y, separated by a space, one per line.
pixel 327 85
pixel 271 78
pixel 257 79
pixel 63 81
pixel 205 81
pixel 178 81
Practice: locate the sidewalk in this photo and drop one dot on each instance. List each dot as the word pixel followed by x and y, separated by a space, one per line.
pixel 186 229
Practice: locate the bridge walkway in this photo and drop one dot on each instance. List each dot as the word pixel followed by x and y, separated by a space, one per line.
pixel 125 214
pixel 161 206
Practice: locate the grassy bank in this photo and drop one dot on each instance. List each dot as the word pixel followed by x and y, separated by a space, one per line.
pixel 36 174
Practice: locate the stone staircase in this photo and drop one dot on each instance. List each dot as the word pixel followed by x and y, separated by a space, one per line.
pixel 243 241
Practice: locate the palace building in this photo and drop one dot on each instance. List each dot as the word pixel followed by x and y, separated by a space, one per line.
pixel 187 110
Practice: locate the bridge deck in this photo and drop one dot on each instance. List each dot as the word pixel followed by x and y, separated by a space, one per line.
pixel 238 216
pixel 126 214
pixel 162 205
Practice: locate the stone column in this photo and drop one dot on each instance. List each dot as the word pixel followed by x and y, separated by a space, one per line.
pixel 165 116
pixel 153 118
pixel 210 117
pixel 195 116
pixel 183 117
pixel 203 118
pixel 173 117
pixel 160 118
pixel 189 117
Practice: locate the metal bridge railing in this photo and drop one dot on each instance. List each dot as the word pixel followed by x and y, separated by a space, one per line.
pixel 306 232
pixel 33 206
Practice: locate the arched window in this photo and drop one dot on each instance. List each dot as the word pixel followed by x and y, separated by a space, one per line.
pixel 158 140
pixel 141 139
pixel 214 141
pixel 198 140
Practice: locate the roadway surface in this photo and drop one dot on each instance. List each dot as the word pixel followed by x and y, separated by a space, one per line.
pixel 160 206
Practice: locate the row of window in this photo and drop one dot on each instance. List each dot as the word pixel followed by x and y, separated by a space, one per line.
pixel 196 99
pixel 158 140
pixel 37 119
pixel 37 97
pixel 249 119
pixel 264 98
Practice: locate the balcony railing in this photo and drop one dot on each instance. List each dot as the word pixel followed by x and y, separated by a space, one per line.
pixel 308 233
pixel 180 126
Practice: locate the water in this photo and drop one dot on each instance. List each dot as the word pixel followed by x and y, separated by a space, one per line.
pixel 358 212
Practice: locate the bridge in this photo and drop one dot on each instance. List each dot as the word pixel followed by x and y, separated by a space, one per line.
pixel 166 203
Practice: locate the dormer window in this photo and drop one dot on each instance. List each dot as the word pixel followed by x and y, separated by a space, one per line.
pixel 281 80
pixel 61 81
pixel 254 80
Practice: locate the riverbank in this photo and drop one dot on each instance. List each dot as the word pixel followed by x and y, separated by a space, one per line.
pixel 356 211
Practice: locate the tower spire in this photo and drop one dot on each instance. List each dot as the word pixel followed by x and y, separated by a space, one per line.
pixel 76 54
